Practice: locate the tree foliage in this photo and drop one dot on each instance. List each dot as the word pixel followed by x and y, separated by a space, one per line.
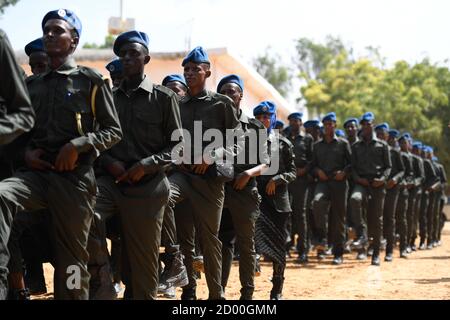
pixel 108 44
pixel 5 3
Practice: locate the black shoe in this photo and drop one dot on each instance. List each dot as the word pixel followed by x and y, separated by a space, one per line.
pixel 361 256
pixel 177 274
pixel 360 243
pixel 388 257
pixel 375 260
pixel 429 246
pixel 302 259
pixel 338 260
pixel 320 255
pixel 434 244
pixel 413 247
pixel 370 252
pixel 403 254
pixel 188 294
pixel 347 249
pixel 408 250
pixel 422 246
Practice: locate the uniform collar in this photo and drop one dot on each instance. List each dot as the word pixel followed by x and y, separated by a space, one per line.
pixel 67 68
pixel 335 138
pixel 145 85
pixel 243 117
pixel 204 95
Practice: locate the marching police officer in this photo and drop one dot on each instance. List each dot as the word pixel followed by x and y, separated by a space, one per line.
pixel 241 206
pixel 419 176
pixel 371 167
pixel 298 189
pixel 331 164
pixel 76 120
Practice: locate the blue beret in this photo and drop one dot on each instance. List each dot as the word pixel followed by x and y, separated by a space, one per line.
pixel 34 46
pixel 331 116
pixel 279 123
pixel 64 14
pixel 428 149
pixel 406 136
pixel 417 145
pixel 114 67
pixel 312 124
pixel 232 78
pixel 340 133
pixel 368 116
pixel 382 126
pixel 197 55
pixel 350 120
pixel 296 116
pixel 130 37
pixel 394 133
pixel 265 107
pixel 174 78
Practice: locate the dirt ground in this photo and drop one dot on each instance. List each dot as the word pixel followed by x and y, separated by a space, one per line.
pixel 424 275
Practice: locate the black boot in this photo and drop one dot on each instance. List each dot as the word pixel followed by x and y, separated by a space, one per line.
pixel 177 274
pixel 277 280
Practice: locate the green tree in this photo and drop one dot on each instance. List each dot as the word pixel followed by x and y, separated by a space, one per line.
pixel 108 44
pixel 5 3
pixel 277 75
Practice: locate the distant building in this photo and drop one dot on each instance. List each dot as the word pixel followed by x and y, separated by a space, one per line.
pixel 223 63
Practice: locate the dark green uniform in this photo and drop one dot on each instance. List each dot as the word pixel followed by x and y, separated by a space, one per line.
pixel 370 160
pixel 427 203
pixel 242 208
pixel 61 99
pixel 436 194
pixel 204 192
pixel 402 205
pixel 440 202
pixel 416 193
pixel 390 203
pixel 17 117
pixel 271 233
pixel 148 116
pixel 330 158
pixel 298 189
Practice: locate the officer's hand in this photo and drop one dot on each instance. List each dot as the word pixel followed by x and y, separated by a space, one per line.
pixel 241 180
pixel 340 175
pixel 67 158
pixel 363 182
pixel 200 168
pixel 376 183
pixel 391 183
pixel 33 160
pixel 322 175
pixel 136 172
pixel 271 187
pixel 116 169
pixel 301 172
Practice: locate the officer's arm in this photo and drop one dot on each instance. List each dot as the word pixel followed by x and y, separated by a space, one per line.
pixel 109 131
pixel 19 114
pixel 387 163
pixel 355 174
pixel 231 123
pixel 309 154
pixel 315 161
pixel 420 173
pixel 348 159
pixel 287 156
pixel 401 167
pixel 172 123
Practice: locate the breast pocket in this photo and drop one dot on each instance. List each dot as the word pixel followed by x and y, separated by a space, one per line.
pixel 148 128
pixel 75 114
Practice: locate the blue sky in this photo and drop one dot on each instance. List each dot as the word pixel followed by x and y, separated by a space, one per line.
pixel 403 29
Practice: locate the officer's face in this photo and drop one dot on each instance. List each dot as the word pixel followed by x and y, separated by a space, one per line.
pixel 38 62
pixel 329 127
pixel 177 87
pixel 134 57
pixel 264 119
pixel 295 124
pixel 116 80
pixel 196 74
pixel 351 129
pixel 367 128
pixel 382 135
pixel 404 145
pixel 233 91
pixel 391 141
pixel 59 38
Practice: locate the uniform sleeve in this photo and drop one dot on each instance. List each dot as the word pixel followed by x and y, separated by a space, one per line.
pixel 419 173
pixel 108 131
pixel 172 123
pixel 231 122
pixel 355 174
pixel 430 175
pixel 348 158
pixel 309 153
pixel 387 163
pixel 314 166
pixel 400 165
pixel 16 113
pixel 290 173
